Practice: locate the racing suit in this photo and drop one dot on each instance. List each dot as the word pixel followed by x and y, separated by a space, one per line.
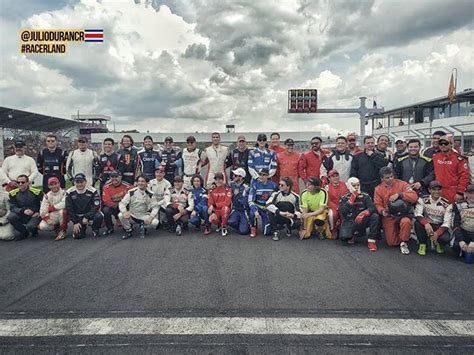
pixel 438 213
pixel 220 198
pixel 85 162
pixel 310 164
pixel 463 224
pixel 239 159
pixel 200 207
pixel 335 192
pixel 128 163
pixel 107 164
pixel 173 161
pixel 159 189
pixel 191 166
pixel 451 171
pixel 141 204
pixel 358 212
pixel 239 218
pixel 52 164
pixel 397 230
pixel 6 229
pixel 19 202
pixel 341 161
pixel 84 204
pixel 178 198
pixel 148 161
pixel 259 193
pixel 53 211
pixel 412 170
pixel 287 165
pixel 217 158
pixel 111 197
pixel 284 202
pixel 262 159
pixel 366 168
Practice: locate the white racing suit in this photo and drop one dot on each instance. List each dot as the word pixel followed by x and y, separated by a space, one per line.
pixel 216 157
pixel 53 211
pixel 6 229
pixel 159 189
pixel 141 204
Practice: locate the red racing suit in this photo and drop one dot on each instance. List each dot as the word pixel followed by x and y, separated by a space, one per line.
pixel 221 199
pixel 396 230
pixel 452 172
pixel 335 192
pixel 287 165
pixel 310 163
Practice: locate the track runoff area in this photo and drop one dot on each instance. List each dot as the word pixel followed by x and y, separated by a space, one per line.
pixel 208 294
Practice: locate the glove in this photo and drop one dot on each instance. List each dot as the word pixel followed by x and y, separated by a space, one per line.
pixel 361 216
pixel 353 198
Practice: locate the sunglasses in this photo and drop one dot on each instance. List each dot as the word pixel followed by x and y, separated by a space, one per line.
pixel 263 174
pixel 351 140
pixel 262 140
pixel 443 143
pixel 81 141
pixel 315 143
pixel 21 182
pixel 50 140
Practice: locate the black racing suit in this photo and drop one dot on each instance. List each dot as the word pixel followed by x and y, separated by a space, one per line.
pixel 107 164
pixel 128 163
pixel 52 164
pixel 350 209
pixel 19 202
pixel 148 161
pixel 366 169
pixel 84 204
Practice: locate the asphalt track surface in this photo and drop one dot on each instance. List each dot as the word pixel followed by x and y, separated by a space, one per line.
pixel 169 277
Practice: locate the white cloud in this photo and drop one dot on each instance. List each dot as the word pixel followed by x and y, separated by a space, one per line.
pixel 199 64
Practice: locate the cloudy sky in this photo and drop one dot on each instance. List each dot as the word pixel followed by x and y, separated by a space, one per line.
pixel 196 65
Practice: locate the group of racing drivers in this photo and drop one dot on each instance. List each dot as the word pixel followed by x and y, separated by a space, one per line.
pixel 349 192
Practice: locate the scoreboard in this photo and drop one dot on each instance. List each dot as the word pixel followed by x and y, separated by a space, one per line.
pixel 302 100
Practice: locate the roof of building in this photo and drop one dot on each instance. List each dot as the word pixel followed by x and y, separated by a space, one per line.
pixel 18 119
pixel 467 94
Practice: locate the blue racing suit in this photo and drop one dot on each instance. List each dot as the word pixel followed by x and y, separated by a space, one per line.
pixel 262 159
pixel 258 195
pixel 239 218
pixel 200 206
pixel 148 161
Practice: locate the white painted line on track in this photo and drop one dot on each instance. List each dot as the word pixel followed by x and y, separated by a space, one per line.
pixel 234 325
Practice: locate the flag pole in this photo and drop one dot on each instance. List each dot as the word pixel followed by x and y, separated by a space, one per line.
pixel 455 70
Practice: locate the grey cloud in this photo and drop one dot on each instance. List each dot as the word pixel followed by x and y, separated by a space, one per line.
pixel 196 50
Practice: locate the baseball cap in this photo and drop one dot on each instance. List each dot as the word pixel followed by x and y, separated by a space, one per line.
pixel 289 141
pixel 218 175
pixel 80 177
pixel 19 144
pixel 470 188
pixel 333 172
pixel 53 180
pixel 241 138
pixel 190 139
pixel 262 137
pixel 400 139
pixel 239 172
pixel 169 139
pixel 263 171
pixel 314 180
pixel 82 139
pixel 435 183
pixel 115 173
pixel 444 138
pixel 178 179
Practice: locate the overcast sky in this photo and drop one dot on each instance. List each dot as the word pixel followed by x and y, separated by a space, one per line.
pixel 197 65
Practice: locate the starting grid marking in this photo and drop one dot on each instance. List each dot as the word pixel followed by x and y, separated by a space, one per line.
pixel 234 326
